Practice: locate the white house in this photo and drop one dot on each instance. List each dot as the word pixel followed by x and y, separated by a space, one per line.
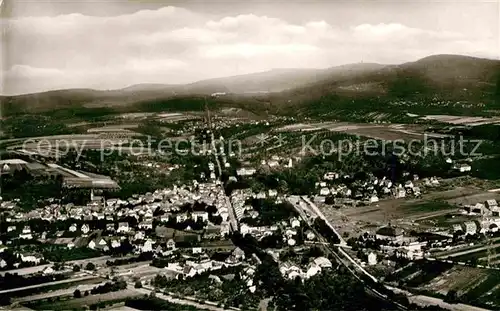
pixel 470 227
pixel 312 271
pixel 323 262
pixel 372 259
pixel 491 204
pixel 26 233
pixel 295 223
pixel 197 250
pixel 171 244
pixel 244 229
pixel 462 168
pixel 203 216
pixel 146 225
pixel 181 217
pixel 245 171
pixel 310 235
pixel 30 258
pixel 139 235
pixel 48 270
pixel 123 227
pixel 147 247
pixel 330 176
pixel 85 229
pixel 400 193
pixel 73 228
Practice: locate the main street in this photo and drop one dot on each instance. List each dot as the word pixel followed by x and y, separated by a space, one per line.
pixel 233 221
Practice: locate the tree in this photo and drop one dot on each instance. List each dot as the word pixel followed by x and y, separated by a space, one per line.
pixel 90 266
pixel 5 300
pixel 451 297
pixel 76 268
pixel 77 293
pixel 138 284
pixel 268 273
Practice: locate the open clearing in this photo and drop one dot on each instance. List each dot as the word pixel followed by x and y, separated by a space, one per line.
pixel 460 120
pixel 378 131
pixel 434 206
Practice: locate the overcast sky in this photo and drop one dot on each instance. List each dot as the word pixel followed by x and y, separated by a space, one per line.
pixel 108 44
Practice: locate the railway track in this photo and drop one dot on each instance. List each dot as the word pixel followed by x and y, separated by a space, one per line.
pixel 345 260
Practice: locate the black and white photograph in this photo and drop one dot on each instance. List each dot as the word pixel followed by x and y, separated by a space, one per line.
pixel 268 155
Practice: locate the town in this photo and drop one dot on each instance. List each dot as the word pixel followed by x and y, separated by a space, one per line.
pixel 205 241
pixel 249 155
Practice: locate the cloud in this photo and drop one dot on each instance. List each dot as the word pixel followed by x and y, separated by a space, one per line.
pixel 175 45
pixel 251 50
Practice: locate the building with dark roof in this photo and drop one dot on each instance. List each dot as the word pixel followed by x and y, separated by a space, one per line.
pixel 390 233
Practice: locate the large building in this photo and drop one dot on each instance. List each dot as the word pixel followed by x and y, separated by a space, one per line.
pixel 390 233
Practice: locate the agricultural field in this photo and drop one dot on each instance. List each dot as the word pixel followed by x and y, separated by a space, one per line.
pixel 377 131
pixel 461 120
pixel 81 303
pixel 445 221
pixel 439 209
pixel 480 287
pixel 387 210
pixel 459 278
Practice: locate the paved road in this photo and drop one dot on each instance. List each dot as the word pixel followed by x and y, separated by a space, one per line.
pixel 233 221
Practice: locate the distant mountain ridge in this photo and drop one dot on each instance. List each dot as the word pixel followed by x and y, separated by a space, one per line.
pixel 448 76
pixel 451 77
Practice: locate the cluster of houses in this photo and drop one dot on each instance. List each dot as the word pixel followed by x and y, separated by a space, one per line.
pixel 150 211
pixel 393 242
pixel 488 220
pixel 191 268
pixel 369 191
pixel 21 259
pixel 291 271
pixel 277 161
